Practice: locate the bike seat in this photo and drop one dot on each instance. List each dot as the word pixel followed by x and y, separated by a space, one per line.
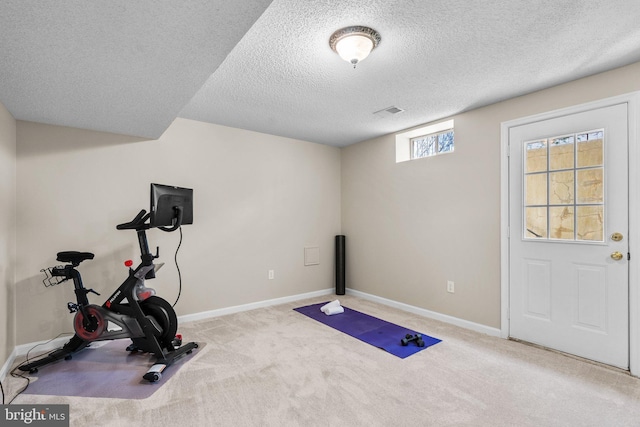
pixel 74 257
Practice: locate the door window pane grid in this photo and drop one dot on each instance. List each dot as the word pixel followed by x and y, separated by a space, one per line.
pixel 564 188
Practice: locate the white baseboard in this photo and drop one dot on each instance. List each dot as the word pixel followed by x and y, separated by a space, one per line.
pixel 49 345
pixel 40 347
pixel 43 346
pixel 34 348
pixel 7 365
pixel 477 327
pixel 251 306
pixel 427 313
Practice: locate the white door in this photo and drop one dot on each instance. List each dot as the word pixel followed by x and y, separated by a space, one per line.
pixel 568 234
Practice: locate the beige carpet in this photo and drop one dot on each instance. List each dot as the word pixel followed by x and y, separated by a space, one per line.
pixel 276 367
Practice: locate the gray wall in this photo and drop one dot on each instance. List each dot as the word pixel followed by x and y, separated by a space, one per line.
pixel 259 200
pixel 7 232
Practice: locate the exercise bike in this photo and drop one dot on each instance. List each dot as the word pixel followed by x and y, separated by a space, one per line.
pixel 148 320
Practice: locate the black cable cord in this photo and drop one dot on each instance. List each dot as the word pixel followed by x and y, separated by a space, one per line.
pixel 175 258
pixel 2 390
pixel 16 375
pixel 27 360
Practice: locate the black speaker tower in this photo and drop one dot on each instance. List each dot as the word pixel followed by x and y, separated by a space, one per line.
pixel 340 264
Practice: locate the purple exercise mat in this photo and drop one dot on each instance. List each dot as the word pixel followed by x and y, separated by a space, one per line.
pixel 377 332
pixel 105 369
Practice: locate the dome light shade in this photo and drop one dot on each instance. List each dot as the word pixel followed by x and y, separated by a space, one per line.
pixel 354 44
pixel 354 48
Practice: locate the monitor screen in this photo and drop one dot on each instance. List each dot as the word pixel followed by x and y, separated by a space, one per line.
pixel 165 199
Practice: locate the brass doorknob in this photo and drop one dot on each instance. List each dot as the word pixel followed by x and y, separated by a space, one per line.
pixel 617 256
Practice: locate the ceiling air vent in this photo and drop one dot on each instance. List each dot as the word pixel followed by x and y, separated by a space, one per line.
pixel 389 111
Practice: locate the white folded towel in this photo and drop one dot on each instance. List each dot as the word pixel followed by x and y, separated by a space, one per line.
pixel 328 305
pixel 334 310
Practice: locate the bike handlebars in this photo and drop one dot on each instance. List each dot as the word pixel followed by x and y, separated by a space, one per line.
pixel 137 223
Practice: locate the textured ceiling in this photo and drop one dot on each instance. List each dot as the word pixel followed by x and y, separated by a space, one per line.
pixel 132 67
pixel 121 66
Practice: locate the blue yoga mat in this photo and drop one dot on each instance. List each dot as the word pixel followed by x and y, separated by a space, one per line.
pixel 377 332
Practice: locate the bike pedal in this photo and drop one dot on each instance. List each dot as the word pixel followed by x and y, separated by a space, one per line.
pixel 72 307
pixel 177 341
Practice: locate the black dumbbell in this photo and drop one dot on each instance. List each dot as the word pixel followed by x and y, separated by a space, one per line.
pixel 417 338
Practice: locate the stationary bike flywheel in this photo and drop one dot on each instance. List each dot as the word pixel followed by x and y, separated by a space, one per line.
pixel 164 315
pixel 93 326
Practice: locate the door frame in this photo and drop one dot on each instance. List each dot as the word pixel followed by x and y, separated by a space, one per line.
pixel 633 103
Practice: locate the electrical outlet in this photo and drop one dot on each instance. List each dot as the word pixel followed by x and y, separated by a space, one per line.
pixel 450 287
pixel 272 274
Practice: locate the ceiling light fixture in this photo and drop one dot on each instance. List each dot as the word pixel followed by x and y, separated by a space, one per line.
pixel 353 44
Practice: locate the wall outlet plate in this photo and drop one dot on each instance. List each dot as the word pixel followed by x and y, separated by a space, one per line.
pixel 450 286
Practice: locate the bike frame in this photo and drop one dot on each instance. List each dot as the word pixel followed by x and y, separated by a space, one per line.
pixel 122 308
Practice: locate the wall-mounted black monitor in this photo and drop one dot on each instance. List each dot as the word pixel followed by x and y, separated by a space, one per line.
pixel 170 206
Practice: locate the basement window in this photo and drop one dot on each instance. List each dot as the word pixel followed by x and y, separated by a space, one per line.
pixel 432 144
pixel 424 142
